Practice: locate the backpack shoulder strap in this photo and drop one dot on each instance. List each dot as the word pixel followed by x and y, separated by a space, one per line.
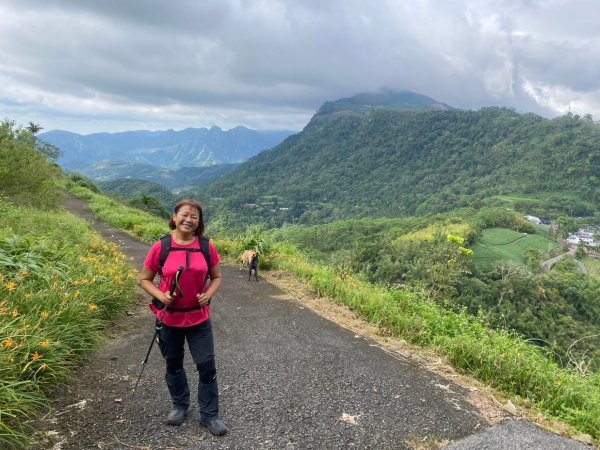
pixel 165 248
pixel 204 241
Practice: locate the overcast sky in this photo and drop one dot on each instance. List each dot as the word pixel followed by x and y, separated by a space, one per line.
pixel 113 65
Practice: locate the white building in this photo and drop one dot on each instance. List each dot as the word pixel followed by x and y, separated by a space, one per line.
pixel 582 237
pixel 534 219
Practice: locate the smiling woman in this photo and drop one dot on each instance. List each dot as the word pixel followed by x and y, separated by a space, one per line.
pixel 181 304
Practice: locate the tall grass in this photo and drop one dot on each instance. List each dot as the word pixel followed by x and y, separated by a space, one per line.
pixel 498 358
pixel 139 223
pixel 60 287
pixel 592 266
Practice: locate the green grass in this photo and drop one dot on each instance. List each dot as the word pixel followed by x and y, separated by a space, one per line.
pixel 592 266
pixel 501 244
pixel 60 287
pixel 516 198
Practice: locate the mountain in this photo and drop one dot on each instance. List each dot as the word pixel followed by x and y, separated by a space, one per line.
pixel 131 189
pixel 106 172
pixel 366 102
pixel 192 147
pixel 398 162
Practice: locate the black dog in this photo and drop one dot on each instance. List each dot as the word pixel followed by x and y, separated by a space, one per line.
pixel 253 265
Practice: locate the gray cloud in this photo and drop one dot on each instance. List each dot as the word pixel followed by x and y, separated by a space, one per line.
pixel 87 66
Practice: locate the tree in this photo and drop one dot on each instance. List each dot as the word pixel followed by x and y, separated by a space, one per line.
pixel 26 176
pixel 566 225
pixel 532 257
pixel 34 128
pixel 149 204
pixel 508 273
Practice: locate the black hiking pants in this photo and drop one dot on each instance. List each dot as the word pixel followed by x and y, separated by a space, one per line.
pixel 201 344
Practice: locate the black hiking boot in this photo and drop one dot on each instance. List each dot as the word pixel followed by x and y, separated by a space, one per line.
pixel 214 425
pixel 176 417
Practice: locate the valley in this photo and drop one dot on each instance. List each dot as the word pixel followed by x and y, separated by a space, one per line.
pixel 404 191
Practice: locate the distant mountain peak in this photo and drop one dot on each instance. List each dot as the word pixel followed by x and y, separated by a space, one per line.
pixel 197 147
pixel 364 102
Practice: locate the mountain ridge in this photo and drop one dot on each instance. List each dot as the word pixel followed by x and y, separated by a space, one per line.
pixel 196 147
pixel 395 162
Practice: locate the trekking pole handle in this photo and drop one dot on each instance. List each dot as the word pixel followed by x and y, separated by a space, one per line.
pixel 176 280
pixel 171 292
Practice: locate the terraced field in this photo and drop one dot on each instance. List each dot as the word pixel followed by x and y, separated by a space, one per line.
pixel 498 244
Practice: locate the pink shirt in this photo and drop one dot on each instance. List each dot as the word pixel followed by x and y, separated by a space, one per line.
pixel 192 281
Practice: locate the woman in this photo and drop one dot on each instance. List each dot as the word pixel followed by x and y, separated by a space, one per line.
pixel 186 313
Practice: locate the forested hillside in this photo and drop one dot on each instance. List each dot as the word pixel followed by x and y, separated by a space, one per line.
pixel 112 173
pixel 395 163
pixel 476 170
pixel 557 309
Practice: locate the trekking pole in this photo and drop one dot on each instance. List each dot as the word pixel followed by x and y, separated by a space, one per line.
pixel 158 328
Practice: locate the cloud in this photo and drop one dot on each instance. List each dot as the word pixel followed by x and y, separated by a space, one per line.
pixel 113 65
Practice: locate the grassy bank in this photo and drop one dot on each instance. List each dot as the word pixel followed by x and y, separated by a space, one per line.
pixel 60 287
pixel 499 359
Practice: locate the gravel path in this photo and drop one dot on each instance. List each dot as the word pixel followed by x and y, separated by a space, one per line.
pixel 289 379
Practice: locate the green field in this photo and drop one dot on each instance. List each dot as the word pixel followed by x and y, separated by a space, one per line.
pixel 502 244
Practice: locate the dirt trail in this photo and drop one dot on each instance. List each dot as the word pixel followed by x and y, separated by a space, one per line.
pixel 289 379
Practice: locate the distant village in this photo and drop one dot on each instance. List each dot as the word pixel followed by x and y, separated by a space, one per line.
pixel 585 236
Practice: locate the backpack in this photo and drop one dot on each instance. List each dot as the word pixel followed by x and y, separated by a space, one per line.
pixel 166 249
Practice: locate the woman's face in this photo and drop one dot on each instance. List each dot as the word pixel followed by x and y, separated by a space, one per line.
pixel 186 219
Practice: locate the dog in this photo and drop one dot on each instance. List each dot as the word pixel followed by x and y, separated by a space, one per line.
pixel 253 265
pixel 246 258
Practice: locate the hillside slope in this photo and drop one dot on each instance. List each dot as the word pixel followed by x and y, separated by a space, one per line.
pixel 394 163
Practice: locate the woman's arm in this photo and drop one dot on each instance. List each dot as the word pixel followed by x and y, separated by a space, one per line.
pixel 147 284
pixel 215 284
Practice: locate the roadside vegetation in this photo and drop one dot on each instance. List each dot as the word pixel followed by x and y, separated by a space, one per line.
pixel 418 314
pixel 60 285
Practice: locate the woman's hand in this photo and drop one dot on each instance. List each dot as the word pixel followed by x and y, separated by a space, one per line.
pixel 213 287
pixel 203 299
pixel 146 282
pixel 166 298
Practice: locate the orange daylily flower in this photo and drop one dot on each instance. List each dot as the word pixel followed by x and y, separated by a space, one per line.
pixel 8 343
